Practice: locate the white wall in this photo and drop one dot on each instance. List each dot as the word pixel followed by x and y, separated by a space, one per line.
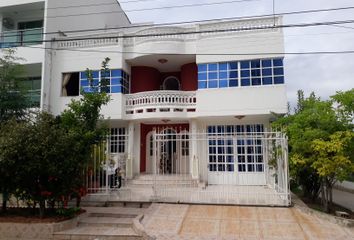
pixel 73 18
pixel 242 101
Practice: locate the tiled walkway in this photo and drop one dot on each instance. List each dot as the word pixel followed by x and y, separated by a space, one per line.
pixel 169 221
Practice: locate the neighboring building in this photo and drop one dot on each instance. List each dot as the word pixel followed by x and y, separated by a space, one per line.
pixel 191 104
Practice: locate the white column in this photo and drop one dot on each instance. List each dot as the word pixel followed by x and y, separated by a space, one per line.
pixel 1 17
pixel 130 157
pixel 194 158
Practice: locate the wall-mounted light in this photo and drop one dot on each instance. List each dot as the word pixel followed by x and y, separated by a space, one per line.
pixel 165 120
pixel 239 117
pixel 162 60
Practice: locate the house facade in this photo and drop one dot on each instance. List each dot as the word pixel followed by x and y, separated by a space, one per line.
pixel 191 104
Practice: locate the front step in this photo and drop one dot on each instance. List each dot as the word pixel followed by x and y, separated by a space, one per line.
pixel 104 223
pixel 97 233
pixel 107 222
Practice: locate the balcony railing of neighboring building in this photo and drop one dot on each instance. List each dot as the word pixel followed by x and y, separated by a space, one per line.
pixel 18 38
pixel 160 101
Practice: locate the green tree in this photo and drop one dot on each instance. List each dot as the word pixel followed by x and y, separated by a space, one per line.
pixel 13 101
pixel 314 120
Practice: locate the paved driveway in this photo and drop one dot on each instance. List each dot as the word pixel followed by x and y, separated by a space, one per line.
pixel 169 221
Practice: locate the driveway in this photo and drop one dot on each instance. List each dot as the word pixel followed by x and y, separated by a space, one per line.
pixel 175 221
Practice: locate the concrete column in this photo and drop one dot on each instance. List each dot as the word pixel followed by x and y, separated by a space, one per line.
pixel 130 157
pixel 194 158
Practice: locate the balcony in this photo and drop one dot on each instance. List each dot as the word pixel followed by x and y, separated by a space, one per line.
pixel 160 103
pixel 18 38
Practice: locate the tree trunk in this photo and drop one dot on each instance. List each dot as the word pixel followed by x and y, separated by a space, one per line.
pixel 41 208
pixel 324 196
pixel 4 201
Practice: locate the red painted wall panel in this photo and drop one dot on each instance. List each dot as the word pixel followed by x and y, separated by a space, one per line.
pixel 144 79
pixel 189 77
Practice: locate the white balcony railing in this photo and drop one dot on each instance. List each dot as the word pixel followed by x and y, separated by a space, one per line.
pixel 160 101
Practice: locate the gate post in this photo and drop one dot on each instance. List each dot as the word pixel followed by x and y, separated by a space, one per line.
pixel 130 152
pixel 194 163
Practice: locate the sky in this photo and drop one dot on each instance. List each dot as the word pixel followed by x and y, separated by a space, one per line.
pixel 323 74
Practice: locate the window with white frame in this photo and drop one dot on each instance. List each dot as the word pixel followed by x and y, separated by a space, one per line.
pixel 184 143
pixel 116 81
pixel 241 73
pixel 235 148
pixel 118 140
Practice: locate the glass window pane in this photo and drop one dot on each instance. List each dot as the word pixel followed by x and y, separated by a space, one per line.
pixel 256 72
pixel 83 75
pixel 116 73
pixel 202 76
pixel 278 80
pixel 245 82
pixel 95 74
pixel 84 83
pixel 223 75
pixel 256 81
pixel 213 84
pixel 278 62
pixel 202 84
pixel 212 67
pixel 222 66
pixel 278 71
pixel 233 65
pixel 245 73
pixel 116 81
pixel 223 83
pixel 266 63
pixel 267 72
pixel 233 74
pixel 255 63
pixel 233 83
pixel 267 81
pixel 245 64
pixel 116 89
pixel 213 75
pixel 202 68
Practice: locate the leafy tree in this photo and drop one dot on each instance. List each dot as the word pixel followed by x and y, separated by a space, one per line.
pixel 314 120
pixel 13 102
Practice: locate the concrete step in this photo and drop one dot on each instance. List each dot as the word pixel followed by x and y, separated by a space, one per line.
pixel 119 211
pixel 128 204
pixel 107 222
pixel 97 233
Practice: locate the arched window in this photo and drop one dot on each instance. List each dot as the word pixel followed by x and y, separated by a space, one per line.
pixel 171 83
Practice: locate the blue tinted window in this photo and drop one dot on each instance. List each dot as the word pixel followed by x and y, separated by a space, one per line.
pixel 212 67
pixel 233 83
pixel 266 63
pixel 245 82
pixel 202 76
pixel 116 89
pixel 213 75
pixel 213 84
pixel 255 63
pixel 202 68
pixel 106 74
pixel 278 62
pixel 245 64
pixel 233 65
pixel 116 81
pixel 267 72
pixel 223 66
pixel 95 74
pixel 233 74
pixel 278 80
pixel 245 73
pixel 83 75
pixel 256 81
pixel 84 83
pixel 278 71
pixel 267 80
pixel 223 83
pixel 222 75
pixel 256 73
pixel 202 84
pixel 116 73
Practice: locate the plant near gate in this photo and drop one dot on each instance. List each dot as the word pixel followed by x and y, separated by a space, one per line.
pixel 318 156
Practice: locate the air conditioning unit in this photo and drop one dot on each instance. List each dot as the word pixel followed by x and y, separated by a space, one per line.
pixel 8 23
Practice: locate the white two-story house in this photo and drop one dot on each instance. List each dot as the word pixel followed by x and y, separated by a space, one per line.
pixel 191 105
